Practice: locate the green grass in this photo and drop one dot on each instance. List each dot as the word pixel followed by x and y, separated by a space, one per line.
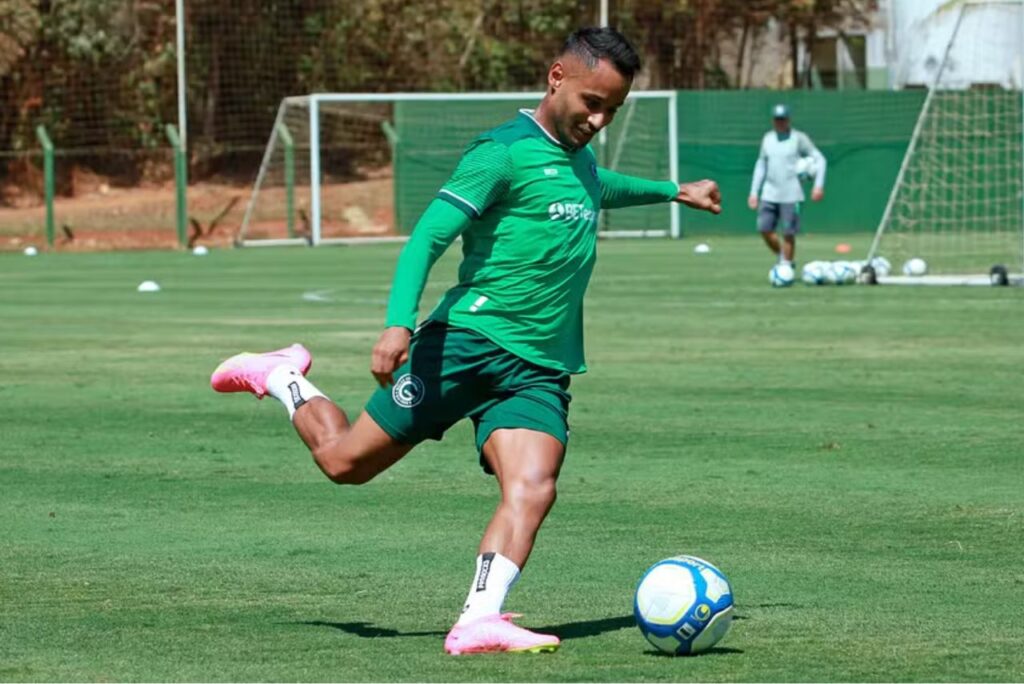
pixel 851 457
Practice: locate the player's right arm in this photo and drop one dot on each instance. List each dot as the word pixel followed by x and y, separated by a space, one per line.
pixel 760 170
pixel 481 179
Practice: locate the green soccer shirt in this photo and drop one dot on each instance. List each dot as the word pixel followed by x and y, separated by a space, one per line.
pixel 527 210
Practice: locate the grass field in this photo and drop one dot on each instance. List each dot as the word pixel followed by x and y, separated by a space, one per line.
pixel 851 457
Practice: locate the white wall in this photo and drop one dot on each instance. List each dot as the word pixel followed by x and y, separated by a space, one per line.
pixel 987 48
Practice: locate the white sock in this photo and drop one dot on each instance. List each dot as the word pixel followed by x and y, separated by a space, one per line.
pixel 494 577
pixel 287 385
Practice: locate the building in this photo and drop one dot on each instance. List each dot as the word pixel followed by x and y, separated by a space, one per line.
pixel 899 44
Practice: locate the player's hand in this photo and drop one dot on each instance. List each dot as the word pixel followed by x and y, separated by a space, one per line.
pixel 702 194
pixel 817 194
pixel 390 352
pixel 752 202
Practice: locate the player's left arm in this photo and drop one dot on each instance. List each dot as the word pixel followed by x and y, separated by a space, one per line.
pixel 619 190
pixel 807 148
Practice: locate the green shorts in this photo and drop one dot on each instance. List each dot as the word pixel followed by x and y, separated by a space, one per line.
pixel 455 373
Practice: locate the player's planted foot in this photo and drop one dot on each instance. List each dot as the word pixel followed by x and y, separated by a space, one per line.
pixel 497 634
pixel 248 372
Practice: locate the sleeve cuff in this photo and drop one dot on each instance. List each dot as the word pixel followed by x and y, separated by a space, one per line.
pixel 459 202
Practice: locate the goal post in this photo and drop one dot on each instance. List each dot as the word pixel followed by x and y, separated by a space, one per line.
pixel 361 167
pixel 958 198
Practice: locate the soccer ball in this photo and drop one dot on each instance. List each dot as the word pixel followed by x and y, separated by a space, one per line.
pixel 814 273
pixel 915 267
pixel 843 273
pixel 806 169
pixel 781 275
pixel 683 605
pixel 881 265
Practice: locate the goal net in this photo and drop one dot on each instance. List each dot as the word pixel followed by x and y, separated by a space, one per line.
pixel 341 168
pixel 958 200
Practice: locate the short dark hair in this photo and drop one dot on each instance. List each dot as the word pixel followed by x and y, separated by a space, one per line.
pixel 595 43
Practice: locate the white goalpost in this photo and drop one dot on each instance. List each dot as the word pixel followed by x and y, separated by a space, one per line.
pixel 958 199
pixel 358 168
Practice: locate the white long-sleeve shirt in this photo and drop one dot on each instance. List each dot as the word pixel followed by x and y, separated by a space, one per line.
pixel 775 176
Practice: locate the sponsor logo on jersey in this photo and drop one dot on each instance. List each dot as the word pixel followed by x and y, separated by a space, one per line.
pixel 550 172
pixel 408 391
pixel 570 211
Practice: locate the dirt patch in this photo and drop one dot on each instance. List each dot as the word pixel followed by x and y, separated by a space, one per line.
pixel 102 217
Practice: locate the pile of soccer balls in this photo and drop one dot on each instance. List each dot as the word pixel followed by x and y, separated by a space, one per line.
pixel 818 273
pixel 839 272
pixel 842 272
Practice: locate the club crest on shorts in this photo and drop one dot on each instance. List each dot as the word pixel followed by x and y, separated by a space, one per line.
pixel 408 391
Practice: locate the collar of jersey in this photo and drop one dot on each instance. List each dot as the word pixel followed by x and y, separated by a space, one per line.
pixel 528 113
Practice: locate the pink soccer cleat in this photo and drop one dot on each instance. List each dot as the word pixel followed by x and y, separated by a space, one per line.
pixel 247 372
pixel 497 634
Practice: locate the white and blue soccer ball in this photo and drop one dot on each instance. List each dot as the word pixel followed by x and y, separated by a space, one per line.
pixel 781 275
pixel 683 605
pixel 814 273
pixel 842 273
pixel 915 267
pixel 881 265
pixel 806 169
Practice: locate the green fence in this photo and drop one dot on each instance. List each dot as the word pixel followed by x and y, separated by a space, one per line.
pixel 430 136
pixel 862 134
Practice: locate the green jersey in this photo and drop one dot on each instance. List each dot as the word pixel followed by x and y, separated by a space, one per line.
pixel 527 209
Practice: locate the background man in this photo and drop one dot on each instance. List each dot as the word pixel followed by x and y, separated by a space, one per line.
pixel 776 183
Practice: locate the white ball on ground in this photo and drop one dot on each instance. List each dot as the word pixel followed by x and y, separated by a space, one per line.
pixel 702 248
pixel 881 265
pixel 200 250
pixel 31 251
pixel 915 267
pixel 843 273
pixel 814 273
pixel 683 605
pixel 148 286
pixel 781 275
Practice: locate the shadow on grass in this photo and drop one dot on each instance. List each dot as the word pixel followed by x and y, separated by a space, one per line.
pixel 588 628
pixel 713 651
pixel 564 631
pixel 367 630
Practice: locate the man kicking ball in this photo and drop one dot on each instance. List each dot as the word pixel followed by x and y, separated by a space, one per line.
pixel 502 344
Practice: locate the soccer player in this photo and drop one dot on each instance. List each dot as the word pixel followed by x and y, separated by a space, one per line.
pixel 502 344
pixel 777 184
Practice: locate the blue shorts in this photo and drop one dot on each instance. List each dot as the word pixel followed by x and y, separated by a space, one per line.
pixel 769 214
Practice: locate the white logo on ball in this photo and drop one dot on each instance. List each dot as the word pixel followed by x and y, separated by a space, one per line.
pixel 408 391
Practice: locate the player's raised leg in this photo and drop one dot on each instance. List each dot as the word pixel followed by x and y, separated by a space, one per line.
pixel 346 453
pixel 526 463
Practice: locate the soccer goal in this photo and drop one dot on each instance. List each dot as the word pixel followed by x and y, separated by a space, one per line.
pixel 958 199
pixel 362 167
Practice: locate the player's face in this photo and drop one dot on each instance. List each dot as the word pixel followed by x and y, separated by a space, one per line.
pixel 781 125
pixel 584 100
